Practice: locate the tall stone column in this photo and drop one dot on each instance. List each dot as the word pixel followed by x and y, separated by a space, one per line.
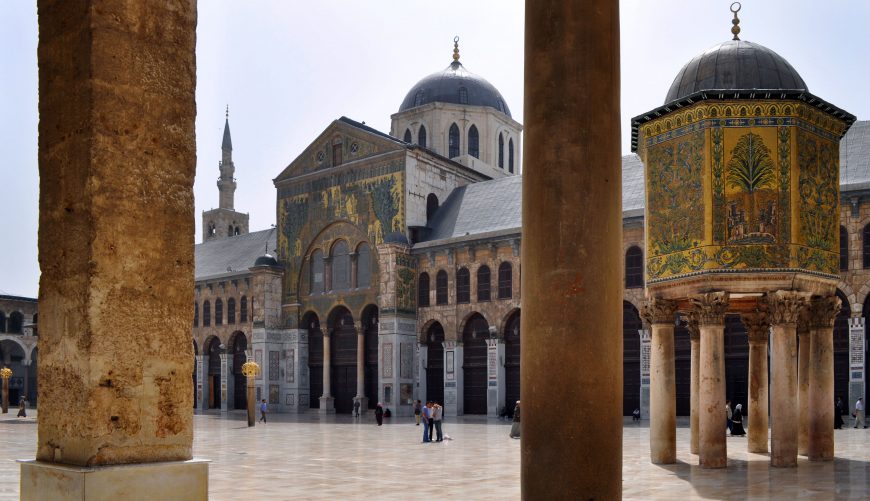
pixel 224 382
pixel 710 309
pixel 804 375
pixel 571 273
pixel 820 419
pixel 694 381
pixel 361 370
pixel 327 403
pixel 758 331
pixel 660 314
pixel 785 307
pixel 116 158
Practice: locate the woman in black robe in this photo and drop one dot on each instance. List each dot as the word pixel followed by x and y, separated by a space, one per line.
pixel 838 414
pixel 379 413
pixel 737 422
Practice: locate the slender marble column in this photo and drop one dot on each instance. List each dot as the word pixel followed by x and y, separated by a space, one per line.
pixel 571 274
pixel 360 363
pixel 695 377
pixel 758 330
pixel 804 374
pixel 659 313
pixel 820 436
pixel 327 364
pixel 710 309
pixel 785 307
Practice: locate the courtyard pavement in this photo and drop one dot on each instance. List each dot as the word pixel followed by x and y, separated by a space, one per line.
pixel 337 457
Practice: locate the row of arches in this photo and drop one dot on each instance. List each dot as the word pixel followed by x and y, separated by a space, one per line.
pixel 235 350
pixel 218 315
pixel 341 269
pixel 14 324
pixel 22 359
pixel 504 287
pixel 736 358
pixel 472 144
pixel 474 362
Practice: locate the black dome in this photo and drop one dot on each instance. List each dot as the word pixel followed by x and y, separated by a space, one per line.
pixel 446 87
pixel 735 65
pixel 266 260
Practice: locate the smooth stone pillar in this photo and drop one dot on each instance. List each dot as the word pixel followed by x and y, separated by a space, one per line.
pixel 327 403
pixel 361 371
pixel 571 274
pixel 758 331
pixel 710 309
pixel 117 159
pixel 694 383
pixel 820 436
pixel 804 375
pixel 659 313
pixel 785 307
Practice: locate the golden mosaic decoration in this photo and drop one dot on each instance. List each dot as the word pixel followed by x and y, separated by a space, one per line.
pixel 250 369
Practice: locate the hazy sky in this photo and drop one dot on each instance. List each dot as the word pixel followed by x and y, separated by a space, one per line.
pixel 288 68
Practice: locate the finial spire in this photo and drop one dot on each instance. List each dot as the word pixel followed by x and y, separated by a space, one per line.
pixel 456 49
pixel 735 29
pixel 228 112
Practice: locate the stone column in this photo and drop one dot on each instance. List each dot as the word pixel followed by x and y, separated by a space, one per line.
pixel 694 381
pixel 572 168
pixel 361 370
pixel 327 403
pixel 820 401
pixel 660 314
pixel 758 331
pixel 201 384
pixel 710 309
pixel 803 384
pixel 26 364
pixel 785 307
pixel 117 158
pixel 224 378
pixel 422 364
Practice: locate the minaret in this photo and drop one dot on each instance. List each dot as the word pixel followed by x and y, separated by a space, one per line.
pixel 225 221
pixel 226 183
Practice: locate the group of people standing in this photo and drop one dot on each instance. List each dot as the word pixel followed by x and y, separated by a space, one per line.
pixel 734 419
pixel 431 416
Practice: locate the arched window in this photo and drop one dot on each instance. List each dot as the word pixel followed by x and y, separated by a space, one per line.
pixel 243 309
pixel 453 141
pixel 844 249
pixel 441 287
pixel 423 290
pixel 431 206
pixel 340 266
pixel 195 314
pixel 421 136
pixel 236 231
pixel 231 310
pixel 866 248
pixel 511 156
pixel 463 285
pixel 218 312
pixel 484 287
pixel 16 322
pixel 363 266
pixel 206 313
pixel 2 322
pixel 633 267
pixel 505 280
pixel 315 269
pixel 473 142
pixel 407 136
pixel 500 151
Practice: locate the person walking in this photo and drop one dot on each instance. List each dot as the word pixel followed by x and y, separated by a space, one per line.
pixel 728 415
pixel 356 409
pixel 22 407
pixel 515 427
pixel 838 414
pixel 379 414
pixel 737 422
pixel 859 414
pixel 424 414
pixel 417 406
pixel 437 413
pixel 263 409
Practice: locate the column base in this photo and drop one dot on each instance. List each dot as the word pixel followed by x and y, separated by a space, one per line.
pixel 327 405
pixel 363 404
pixel 183 480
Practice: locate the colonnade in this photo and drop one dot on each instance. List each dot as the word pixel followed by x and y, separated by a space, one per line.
pixel 799 329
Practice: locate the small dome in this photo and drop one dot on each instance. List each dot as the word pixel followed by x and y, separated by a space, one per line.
pixel 735 65
pixel 266 260
pixel 454 85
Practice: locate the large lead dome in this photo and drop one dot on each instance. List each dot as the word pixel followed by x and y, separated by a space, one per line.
pixel 735 65
pixel 454 85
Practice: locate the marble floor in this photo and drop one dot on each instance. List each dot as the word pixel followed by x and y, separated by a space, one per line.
pixel 309 457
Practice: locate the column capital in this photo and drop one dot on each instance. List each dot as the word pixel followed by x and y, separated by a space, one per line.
pixel 710 308
pixel 658 311
pixel 692 326
pixel 757 325
pixel 785 306
pixel 823 311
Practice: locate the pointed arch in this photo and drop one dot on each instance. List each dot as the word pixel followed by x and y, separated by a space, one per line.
pixel 453 141
pixel 473 142
pixel 500 150
pixel 407 137
pixel 511 155
pixel 421 136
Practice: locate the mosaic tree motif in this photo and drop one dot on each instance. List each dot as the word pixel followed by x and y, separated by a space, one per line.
pixel 819 191
pixel 751 172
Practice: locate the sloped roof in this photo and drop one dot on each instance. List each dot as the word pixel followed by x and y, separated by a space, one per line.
pixel 232 255
pixel 479 208
pixel 632 186
pixel 855 157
